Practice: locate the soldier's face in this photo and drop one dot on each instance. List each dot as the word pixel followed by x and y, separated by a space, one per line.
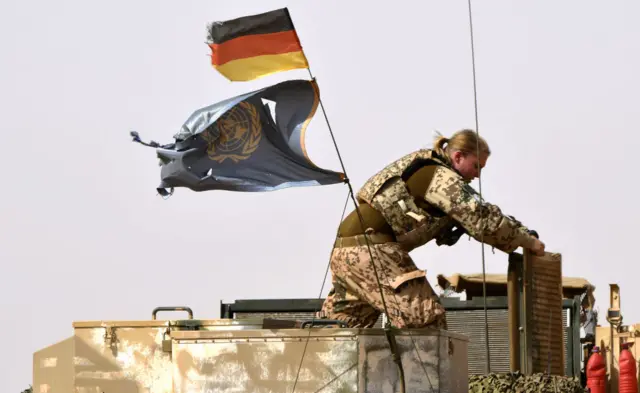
pixel 468 165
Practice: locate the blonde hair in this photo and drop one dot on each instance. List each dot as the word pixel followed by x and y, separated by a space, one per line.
pixel 465 141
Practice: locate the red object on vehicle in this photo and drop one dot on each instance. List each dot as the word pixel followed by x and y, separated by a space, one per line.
pixel 627 380
pixel 596 372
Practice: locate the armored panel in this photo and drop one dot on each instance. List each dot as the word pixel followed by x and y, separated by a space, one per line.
pixel 312 360
pixel 546 328
pixel 541 317
pixel 471 324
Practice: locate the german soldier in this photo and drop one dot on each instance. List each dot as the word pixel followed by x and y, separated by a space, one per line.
pixel 420 197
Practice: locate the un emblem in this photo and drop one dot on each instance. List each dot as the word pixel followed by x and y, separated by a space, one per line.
pixel 235 135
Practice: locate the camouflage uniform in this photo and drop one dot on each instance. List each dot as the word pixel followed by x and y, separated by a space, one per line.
pixel 413 213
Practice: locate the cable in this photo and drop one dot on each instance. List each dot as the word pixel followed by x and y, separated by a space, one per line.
pixel 326 273
pixel 484 275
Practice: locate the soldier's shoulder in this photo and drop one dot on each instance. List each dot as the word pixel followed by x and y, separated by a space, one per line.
pixel 445 174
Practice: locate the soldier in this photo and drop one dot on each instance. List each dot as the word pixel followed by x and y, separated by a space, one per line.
pixel 422 196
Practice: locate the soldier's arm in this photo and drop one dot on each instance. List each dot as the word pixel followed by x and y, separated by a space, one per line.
pixel 483 221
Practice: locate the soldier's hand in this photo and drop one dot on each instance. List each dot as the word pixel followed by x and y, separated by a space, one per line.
pixel 538 248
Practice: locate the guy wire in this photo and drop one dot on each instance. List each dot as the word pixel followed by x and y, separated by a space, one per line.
pixel 484 275
pixel 313 319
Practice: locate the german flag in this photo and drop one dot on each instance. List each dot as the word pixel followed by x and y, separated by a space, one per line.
pixel 254 46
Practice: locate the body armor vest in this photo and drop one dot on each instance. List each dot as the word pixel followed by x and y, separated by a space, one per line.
pixel 386 191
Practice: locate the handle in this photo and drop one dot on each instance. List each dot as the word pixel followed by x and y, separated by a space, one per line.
pixel 322 322
pixel 187 309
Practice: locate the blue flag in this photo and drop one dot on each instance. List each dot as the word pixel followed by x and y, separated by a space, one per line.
pixel 237 145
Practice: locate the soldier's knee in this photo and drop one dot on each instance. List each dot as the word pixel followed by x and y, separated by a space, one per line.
pixel 421 313
pixel 353 315
pixel 352 321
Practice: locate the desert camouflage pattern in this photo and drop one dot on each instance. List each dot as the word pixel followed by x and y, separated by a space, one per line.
pixel 325 360
pixel 388 194
pixel 394 169
pixel 118 356
pixel 414 227
pixel 483 221
pixel 229 356
pixel 355 298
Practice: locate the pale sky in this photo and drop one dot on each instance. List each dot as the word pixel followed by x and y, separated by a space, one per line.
pixel 85 236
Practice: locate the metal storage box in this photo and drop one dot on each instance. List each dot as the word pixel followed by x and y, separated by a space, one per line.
pixel 118 356
pixel 335 360
pixel 226 355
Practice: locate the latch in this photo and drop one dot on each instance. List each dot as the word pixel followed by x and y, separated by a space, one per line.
pixel 110 338
pixel 166 343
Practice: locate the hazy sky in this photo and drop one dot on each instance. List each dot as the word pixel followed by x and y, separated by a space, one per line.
pixel 85 236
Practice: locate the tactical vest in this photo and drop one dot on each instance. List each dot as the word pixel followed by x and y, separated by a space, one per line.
pixel 387 192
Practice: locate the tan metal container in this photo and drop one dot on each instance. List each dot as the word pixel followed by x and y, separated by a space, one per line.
pixel 335 360
pixel 118 356
pixel 231 355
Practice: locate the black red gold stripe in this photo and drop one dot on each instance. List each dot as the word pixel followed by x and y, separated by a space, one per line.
pixel 269 22
pixel 253 46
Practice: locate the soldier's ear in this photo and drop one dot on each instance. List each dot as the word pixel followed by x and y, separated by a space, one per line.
pixel 456 156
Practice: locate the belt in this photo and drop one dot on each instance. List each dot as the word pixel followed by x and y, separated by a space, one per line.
pixel 359 240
